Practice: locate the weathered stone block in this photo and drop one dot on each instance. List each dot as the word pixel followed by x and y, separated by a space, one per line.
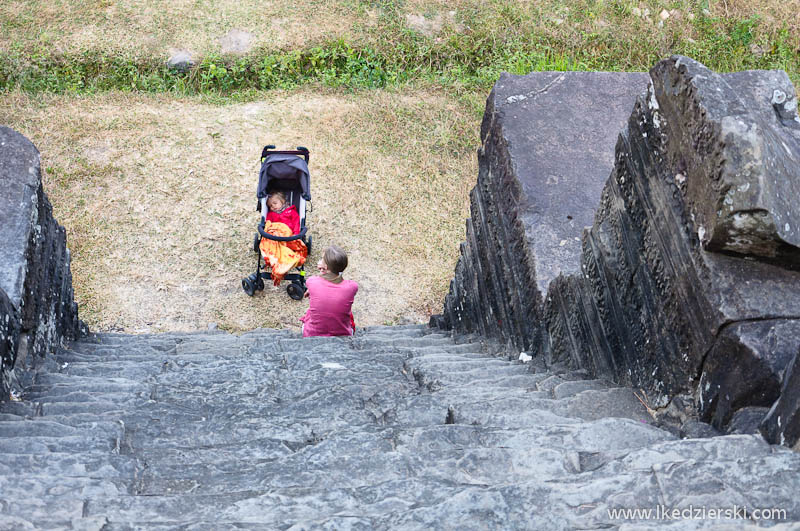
pixel 675 286
pixel 36 298
pixel 737 156
pixel 782 423
pixel 745 367
pixel 546 149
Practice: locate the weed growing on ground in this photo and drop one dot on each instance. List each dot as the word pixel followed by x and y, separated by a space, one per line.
pixel 469 48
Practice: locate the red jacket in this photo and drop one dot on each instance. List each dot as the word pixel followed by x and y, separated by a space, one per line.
pixel 289 216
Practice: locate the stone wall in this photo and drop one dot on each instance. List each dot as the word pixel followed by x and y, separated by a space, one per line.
pixel 687 283
pixel 547 144
pixel 36 301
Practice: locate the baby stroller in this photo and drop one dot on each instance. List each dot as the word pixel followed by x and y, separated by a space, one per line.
pixel 286 171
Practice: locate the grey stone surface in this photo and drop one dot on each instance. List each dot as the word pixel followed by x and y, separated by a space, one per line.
pixel 267 430
pixel 695 429
pixel 745 367
pixel 747 419
pixel 180 60
pixel 681 291
pixel 36 300
pixel 740 158
pixel 19 206
pixel 782 423
pixel 687 282
pixel 547 148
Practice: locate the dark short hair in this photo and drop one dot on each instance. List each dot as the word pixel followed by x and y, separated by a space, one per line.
pixel 335 258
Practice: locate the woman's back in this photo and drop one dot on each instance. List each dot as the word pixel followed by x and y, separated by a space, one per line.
pixel 329 309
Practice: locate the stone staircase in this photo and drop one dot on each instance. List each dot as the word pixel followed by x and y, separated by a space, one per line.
pixel 397 428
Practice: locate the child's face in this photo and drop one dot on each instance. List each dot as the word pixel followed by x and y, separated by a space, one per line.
pixel 275 203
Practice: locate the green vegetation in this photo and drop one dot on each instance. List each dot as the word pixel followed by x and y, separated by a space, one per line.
pixel 468 53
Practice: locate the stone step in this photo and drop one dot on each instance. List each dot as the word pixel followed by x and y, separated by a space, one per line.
pixel 68 395
pixel 85 382
pixel 125 357
pixel 75 444
pixel 130 357
pixel 40 427
pixel 446 363
pixel 390 429
pixel 40 513
pixel 19 408
pixel 194 525
pixel 488 393
pixel 105 345
pixel 157 438
pixel 136 372
pixel 594 404
pixel 24 487
pixel 262 333
pixel 521 381
pixel 612 437
pixel 442 348
pixel 571 388
pixel 97 465
pixel 440 408
pixel 455 356
pixel 416 340
pixel 586 405
pixel 438 378
pixel 503 419
pixel 305 344
pixel 549 383
pixel 225 456
pixel 80 415
pixel 397 328
pixel 99 344
pixel 325 469
pixel 148 511
pixel 391 331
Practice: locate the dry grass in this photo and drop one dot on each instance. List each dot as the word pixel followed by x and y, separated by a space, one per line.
pixel 155 27
pixel 158 199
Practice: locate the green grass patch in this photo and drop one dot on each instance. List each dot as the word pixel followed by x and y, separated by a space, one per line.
pixel 471 58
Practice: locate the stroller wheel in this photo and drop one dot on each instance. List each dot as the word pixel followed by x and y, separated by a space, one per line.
pixel 308 245
pixel 259 284
pixel 248 286
pixel 256 241
pixel 295 291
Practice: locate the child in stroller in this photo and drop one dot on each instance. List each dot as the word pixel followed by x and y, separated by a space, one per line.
pixel 281 212
pixel 284 178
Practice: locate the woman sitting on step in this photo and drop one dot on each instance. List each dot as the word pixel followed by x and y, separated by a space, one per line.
pixel 330 298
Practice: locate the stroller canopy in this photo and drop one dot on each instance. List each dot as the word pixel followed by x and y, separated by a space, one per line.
pixel 283 172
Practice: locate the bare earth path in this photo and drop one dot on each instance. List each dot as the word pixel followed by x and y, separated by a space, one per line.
pixel 158 197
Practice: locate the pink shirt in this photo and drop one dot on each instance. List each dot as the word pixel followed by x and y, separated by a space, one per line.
pixel 329 307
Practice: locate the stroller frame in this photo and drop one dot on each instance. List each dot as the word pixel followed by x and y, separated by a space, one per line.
pixel 255 281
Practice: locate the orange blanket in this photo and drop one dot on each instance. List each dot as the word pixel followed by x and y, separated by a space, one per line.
pixel 281 257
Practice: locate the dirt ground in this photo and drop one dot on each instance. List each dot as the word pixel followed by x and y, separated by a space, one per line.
pixel 158 199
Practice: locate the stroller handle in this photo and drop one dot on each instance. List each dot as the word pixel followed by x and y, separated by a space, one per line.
pixel 270 150
pixel 280 238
